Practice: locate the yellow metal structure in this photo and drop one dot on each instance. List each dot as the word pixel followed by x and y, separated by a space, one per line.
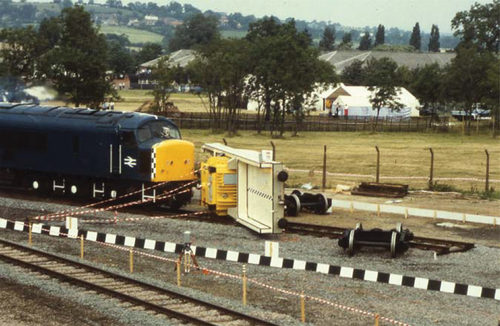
pixel 218 185
pixel 172 160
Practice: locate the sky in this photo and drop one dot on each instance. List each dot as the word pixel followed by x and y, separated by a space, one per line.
pixel 357 13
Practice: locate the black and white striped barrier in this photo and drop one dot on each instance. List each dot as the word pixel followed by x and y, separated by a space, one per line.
pixel 254 259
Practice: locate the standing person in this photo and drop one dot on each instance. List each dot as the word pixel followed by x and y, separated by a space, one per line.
pixel 112 105
pixel 105 105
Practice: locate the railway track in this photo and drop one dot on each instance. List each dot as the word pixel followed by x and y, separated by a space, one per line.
pixel 441 247
pixel 153 299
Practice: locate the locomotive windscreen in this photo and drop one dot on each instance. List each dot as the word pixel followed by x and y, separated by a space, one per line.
pixel 157 129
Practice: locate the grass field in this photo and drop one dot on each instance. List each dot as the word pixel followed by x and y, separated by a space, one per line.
pixel 402 154
pixel 134 35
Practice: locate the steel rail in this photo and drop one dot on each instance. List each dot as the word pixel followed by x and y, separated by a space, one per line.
pixel 127 280
pixel 441 246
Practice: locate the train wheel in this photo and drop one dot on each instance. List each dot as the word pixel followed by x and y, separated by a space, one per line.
pixel 351 243
pixel 393 244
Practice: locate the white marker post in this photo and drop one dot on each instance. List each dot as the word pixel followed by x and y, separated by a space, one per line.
pixel 71 223
pixel 272 249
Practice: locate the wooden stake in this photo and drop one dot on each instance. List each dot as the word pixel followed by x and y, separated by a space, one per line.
pixel 29 235
pixel 435 215
pixel 431 176
pixel 378 164
pixel 378 210
pixel 303 307
pixel 131 260
pixel 352 207
pixel 178 273
pixel 244 285
pixel 81 246
pixel 406 213
pixel 324 169
pixel 376 319
pixel 486 186
pixel 463 218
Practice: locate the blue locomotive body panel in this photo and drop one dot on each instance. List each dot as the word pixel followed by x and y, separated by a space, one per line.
pixel 79 142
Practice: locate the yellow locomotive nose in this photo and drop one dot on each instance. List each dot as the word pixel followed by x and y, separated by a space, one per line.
pixel 172 160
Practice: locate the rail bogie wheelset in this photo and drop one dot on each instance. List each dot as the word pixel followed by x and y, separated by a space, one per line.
pixel 90 153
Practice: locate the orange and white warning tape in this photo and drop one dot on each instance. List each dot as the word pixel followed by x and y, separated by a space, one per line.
pixel 135 219
pixel 73 211
pixel 59 217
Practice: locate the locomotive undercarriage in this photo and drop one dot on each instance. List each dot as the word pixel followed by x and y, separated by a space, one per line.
pixel 93 188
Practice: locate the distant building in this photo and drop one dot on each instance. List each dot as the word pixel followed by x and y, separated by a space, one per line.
pixel 172 21
pixel 121 82
pixel 150 20
pixel 133 22
pixel 349 101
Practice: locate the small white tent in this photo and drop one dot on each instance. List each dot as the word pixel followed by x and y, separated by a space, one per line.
pixel 355 101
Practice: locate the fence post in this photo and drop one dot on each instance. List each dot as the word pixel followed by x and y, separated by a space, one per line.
pixel 81 246
pixel 486 186
pixel 30 234
pixel 303 307
pixel 418 120
pixel 274 151
pixel 356 124
pixel 431 176
pixel 244 285
pixel 324 168
pixel 378 164
pixel 178 273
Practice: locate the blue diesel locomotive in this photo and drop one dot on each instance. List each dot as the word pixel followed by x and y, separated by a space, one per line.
pixel 90 153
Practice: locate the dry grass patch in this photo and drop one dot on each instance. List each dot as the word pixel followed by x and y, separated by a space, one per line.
pixel 402 154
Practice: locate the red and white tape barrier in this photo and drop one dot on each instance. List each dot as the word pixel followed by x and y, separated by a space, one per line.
pixel 69 212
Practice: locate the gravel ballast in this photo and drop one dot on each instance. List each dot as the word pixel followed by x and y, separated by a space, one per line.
pixel 480 266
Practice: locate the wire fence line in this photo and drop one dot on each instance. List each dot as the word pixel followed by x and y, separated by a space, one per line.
pixel 248 121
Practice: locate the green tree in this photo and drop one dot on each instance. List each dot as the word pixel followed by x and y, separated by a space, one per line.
pixel 380 36
pixel 465 79
pixel 366 42
pixel 197 30
pixel 381 77
pixel 120 60
pixel 416 39
pixel 346 43
pixel 66 3
pixel 49 33
pixel 354 74
pixel 149 51
pixel 164 77
pixel 480 26
pixel 20 57
pixel 491 98
pixel 427 86
pixel 221 68
pixel 434 39
pixel 285 70
pixel 327 43
pixel 77 65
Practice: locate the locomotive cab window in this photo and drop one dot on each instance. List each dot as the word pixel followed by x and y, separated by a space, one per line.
pixel 157 129
pixel 129 139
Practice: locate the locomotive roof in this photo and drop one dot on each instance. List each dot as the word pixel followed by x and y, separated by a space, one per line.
pixel 79 116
